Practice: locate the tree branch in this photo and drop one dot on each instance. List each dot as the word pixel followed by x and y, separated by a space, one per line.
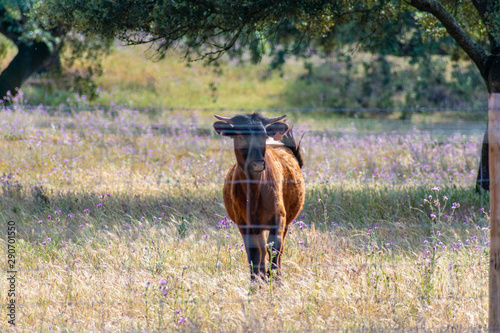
pixel 483 7
pixel 476 52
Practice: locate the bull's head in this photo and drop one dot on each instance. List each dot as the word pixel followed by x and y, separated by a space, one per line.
pixel 249 133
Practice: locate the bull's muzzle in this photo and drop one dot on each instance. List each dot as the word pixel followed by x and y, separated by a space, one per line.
pixel 257 166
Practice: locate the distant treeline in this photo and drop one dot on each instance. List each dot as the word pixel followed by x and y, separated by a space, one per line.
pixel 387 82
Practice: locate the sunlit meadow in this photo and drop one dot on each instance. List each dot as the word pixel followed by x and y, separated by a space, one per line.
pixel 121 227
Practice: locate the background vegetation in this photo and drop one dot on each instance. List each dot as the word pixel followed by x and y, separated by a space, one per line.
pixel 345 80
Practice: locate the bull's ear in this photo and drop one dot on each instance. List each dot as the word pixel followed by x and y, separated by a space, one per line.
pixel 277 130
pixel 223 128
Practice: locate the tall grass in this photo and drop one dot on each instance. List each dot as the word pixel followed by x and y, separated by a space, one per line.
pixel 122 228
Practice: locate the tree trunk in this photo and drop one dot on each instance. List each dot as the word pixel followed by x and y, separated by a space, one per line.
pixel 491 76
pixel 483 172
pixel 30 58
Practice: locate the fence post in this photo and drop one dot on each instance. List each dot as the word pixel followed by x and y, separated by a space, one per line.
pixel 494 164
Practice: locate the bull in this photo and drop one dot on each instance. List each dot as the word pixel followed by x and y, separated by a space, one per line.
pixel 264 189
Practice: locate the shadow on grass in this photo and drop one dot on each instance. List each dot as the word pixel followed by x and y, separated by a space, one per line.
pixel 326 206
pixel 69 212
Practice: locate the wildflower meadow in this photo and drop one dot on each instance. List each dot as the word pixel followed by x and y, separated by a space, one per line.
pixel 120 226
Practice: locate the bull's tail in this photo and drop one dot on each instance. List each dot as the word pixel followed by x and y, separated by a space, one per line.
pixel 289 141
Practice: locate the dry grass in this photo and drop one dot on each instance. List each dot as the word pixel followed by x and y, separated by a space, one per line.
pixel 118 219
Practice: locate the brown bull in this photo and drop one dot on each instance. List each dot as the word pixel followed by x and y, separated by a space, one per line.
pixel 264 189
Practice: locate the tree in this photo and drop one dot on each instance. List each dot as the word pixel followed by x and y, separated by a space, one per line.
pixel 42 45
pixel 475 26
pixel 36 48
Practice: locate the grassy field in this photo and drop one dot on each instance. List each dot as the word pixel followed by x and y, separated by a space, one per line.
pixel 121 227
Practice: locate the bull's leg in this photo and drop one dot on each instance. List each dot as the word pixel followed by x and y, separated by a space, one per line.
pixel 276 237
pixel 255 246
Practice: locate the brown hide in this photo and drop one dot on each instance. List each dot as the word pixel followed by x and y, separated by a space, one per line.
pixel 276 198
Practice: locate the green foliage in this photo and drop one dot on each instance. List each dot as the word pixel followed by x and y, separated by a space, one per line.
pixel 211 28
pixel 386 83
pixel 5 46
pixel 19 21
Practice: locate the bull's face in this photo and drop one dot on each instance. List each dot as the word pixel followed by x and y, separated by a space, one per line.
pixel 250 148
pixel 249 133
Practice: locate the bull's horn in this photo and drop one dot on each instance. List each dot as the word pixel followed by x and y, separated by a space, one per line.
pixel 273 120
pixel 224 119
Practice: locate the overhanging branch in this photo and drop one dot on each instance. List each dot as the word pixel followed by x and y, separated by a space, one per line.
pixel 476 52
